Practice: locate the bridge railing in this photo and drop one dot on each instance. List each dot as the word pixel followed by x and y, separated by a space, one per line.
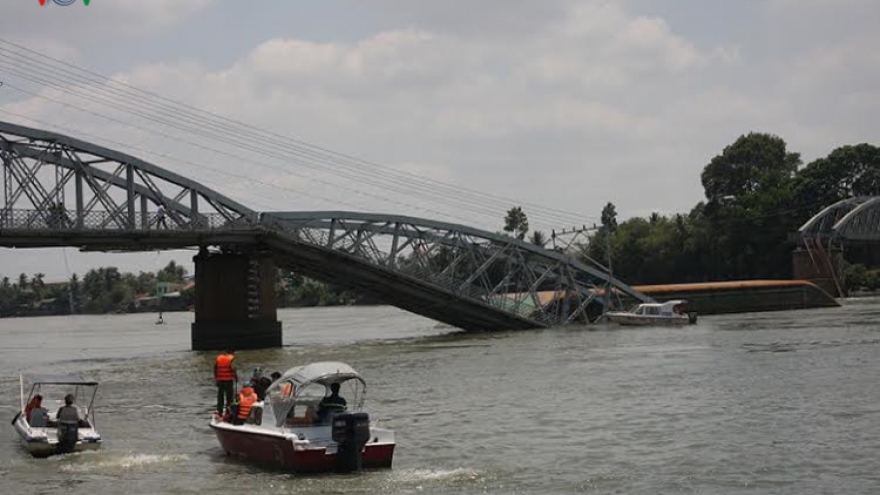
pixel 57 219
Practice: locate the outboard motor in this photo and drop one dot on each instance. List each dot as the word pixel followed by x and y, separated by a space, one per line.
pixel 68 435
pixel 692 317
pixel 351 431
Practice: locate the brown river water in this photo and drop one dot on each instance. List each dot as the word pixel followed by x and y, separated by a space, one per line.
pixel 776 403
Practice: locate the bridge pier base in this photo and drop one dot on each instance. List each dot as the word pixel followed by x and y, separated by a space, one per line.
pixel 235 302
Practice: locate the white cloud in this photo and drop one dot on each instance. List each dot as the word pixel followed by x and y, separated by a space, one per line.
pixel 104 21
pixel 594 103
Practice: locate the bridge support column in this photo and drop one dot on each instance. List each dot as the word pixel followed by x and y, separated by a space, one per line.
pixel 235 302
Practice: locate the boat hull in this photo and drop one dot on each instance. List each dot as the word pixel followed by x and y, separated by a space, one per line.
pixel 646 321
pixel 279 451
pixel 43 442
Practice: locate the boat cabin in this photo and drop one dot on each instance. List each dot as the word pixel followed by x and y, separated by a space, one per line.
pixel 666 309
pixel 293 400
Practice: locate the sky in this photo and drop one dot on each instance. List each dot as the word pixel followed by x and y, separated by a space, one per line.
pixel 558 106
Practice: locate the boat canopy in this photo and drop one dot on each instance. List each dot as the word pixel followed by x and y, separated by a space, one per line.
pixel 326 372
pixel 296 389
pixel 57 379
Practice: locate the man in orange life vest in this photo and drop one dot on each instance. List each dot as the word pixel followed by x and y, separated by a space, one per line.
pixel 225 376
pixel 246 400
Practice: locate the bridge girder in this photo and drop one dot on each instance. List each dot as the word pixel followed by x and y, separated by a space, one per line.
pixel 61 191
pixel 65 182
pixel 494 269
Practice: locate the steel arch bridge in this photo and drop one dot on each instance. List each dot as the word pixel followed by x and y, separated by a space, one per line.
pixel 851 219
pixel 61 191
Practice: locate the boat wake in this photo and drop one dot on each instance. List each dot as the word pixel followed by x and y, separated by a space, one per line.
pixel 434 475
pixel 131 461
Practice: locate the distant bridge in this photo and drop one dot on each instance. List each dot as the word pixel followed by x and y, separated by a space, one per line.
pixel 853 220
pixel 61 191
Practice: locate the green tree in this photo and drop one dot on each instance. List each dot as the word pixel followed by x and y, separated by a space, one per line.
pixel 171 273
pixel 750 210
pixel 37 283
pixel 516 223
pixel 753 162
pixel 74 290
pixel 609 217
pixel 848 171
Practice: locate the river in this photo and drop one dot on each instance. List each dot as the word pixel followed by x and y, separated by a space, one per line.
pixel 776 403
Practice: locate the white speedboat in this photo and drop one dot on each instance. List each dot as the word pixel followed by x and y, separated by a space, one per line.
pixel 41 437
pixel 647 314
pixel 289 431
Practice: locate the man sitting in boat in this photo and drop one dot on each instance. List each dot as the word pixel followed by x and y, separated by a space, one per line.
pixel 331 404
pixel 246 400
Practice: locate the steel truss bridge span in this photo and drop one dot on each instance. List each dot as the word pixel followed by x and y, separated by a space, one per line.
pixel 61 191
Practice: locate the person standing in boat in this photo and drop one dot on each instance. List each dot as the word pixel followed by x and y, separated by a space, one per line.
pixel 225 376
pixel 68 425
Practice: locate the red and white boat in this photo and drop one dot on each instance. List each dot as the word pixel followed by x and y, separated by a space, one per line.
pixel 289 431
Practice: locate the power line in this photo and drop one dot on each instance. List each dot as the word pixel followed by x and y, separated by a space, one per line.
pixel 224 126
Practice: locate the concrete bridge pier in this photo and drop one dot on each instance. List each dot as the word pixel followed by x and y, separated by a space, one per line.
pixel 235 302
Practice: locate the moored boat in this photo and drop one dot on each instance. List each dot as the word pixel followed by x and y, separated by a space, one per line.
pixel 41 431
pixel 290 430
pixel 647 314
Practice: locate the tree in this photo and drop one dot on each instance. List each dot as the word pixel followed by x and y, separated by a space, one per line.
pixel 848 171
pixel 171 273
pixel 74 292
pixel 609 218
pixel 37 283
pixel 516 223
pixel 538 238
pixel 753 162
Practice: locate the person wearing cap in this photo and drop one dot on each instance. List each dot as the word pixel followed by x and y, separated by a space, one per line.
pixel 225 376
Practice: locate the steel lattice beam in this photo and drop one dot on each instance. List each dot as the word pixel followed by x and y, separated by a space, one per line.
pixel 61 191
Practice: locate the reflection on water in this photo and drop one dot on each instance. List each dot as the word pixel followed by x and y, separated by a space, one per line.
pixel 760 403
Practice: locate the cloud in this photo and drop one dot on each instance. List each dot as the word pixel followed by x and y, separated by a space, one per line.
pixel 591 102
pixel 103 21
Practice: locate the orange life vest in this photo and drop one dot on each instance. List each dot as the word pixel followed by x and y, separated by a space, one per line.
pixel 286 390
pixel 223 371
pixel 246 400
